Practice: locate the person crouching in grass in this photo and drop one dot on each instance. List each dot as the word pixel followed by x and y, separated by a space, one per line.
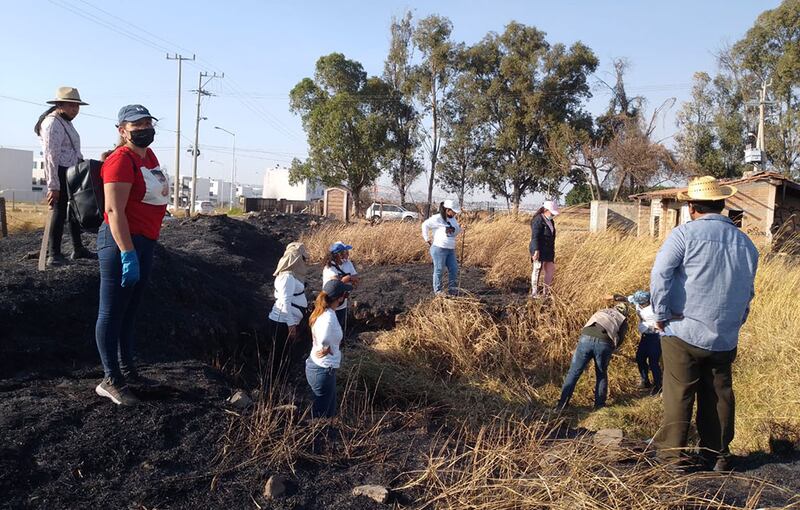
pixel 600 337
pixel 325 355
pixel 648 355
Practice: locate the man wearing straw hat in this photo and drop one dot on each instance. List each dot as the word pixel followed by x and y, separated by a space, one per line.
pixel 701 287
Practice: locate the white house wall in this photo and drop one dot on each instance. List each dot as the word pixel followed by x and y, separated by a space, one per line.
pixel 16 176
pixel 276 185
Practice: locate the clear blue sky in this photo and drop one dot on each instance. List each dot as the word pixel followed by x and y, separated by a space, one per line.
pixel 264 48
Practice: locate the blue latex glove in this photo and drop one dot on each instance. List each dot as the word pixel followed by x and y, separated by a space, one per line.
pixel 130 268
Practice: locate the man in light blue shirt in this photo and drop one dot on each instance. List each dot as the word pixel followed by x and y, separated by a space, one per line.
pixel 702 283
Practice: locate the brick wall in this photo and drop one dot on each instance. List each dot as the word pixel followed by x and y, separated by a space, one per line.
pixel 754 199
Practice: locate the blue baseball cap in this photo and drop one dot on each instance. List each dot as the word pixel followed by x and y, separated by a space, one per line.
pixel 132 113
pixel 339 247
pixel 640 297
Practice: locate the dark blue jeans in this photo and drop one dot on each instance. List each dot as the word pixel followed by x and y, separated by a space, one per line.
pixel 116 315
pixel 323 388
pixel 588 349
pixel 444 258
pixel 647 357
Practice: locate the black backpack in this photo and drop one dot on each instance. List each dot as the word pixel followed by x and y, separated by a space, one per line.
pixel 85 192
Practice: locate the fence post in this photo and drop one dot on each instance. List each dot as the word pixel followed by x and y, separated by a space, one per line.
pixel 3 219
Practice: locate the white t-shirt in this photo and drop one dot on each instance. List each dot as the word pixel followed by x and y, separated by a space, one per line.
pixel 441 237
pixel 330 273
pixel 647 319
pixel 288 291
pixel 326 332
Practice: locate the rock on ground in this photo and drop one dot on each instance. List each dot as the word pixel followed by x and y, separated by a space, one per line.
pixel 275 487
pixel 376 493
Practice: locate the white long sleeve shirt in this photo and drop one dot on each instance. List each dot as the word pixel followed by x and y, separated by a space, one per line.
pixel 61 146
pixel 330 273
pixel 444 233
pixel 647 319
pixel 289 291
pixel 326 332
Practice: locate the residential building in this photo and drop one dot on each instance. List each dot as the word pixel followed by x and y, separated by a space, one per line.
pixel 16 177
pixel 220 192
pixel 767 205
pixel 277 186
pixel 203 187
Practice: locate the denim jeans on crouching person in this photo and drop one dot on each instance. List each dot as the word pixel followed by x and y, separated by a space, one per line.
pixel 588 349
pixel 444 258
pixel 116 315
pixel 323 388
pixel 648 356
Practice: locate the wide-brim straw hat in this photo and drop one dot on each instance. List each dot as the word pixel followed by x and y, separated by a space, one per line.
pixel 706 188
pixel 67 95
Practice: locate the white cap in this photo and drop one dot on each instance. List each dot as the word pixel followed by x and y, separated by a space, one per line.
pixel 552 206
pixel 451 204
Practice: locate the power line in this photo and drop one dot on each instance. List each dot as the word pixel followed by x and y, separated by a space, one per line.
pixel 83 113
pixel 269 118
pixel 95 19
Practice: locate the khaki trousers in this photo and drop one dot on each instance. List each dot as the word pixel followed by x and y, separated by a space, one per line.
pixel 688 372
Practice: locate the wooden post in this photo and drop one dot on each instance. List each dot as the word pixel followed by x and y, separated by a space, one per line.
pixel 3 219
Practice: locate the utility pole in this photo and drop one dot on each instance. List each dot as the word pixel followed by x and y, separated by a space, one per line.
pixel 760 140
pixel 757 155
pixel 195 149
pixel 233 165
pixel 177 203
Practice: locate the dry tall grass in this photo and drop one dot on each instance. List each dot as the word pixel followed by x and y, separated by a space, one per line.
pixel 512 464
pixel 24 217
pixel 518 357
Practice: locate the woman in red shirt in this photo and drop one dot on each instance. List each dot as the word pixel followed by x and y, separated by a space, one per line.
pixel 136 196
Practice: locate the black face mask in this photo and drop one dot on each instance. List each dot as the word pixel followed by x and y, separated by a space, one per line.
pixel 143 137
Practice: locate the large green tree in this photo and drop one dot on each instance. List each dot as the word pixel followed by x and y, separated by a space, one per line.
pixel 343 116
pixel 523 88
pixel 714 123
pixel 401 159
pixel 712 127
pixel 463 155
pixel 771 52
pixel 434 77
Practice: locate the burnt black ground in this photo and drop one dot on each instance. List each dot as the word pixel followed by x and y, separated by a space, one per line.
pixel 61 446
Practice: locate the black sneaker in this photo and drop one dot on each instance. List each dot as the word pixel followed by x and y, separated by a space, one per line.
pixel 57 260
pixel 134 378
pixel 643 383
pixel 83 253
pixel 120 395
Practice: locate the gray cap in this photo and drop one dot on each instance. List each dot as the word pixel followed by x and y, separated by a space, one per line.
pixel 335 288
pixel 132 113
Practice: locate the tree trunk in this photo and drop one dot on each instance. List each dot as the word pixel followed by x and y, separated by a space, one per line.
pixel 596 183
pixel 462 188
pixel 357 199
pixel 619 188
pixel 434 146
pixel 402 179
pixel 515 198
